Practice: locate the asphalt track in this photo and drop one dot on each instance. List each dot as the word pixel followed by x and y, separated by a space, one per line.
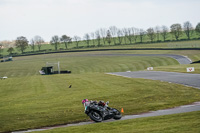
pixel 187 79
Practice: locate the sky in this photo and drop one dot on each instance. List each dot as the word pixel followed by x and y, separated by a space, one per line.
pixel 47 18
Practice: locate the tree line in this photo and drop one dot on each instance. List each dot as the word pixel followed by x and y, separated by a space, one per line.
pixel 111 35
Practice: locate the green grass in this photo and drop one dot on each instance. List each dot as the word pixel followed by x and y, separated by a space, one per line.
pixel 81 63
pixel 30 100
pixel 177 123
pixel 39 101
pixel 178 68
pixel 194 55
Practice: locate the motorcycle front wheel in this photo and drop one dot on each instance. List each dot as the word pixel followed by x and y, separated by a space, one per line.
pixel 117 115
pixel 95 116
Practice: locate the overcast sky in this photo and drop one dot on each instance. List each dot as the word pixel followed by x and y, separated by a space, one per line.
pixel 77 17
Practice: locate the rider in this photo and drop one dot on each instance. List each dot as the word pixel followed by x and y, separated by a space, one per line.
pixel 86 102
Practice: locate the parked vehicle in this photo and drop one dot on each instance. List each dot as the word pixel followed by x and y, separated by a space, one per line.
pixel 100 111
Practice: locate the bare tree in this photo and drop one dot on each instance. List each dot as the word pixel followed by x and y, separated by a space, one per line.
pixel 125 34
pixel 136 33
pixel 151 34
pixel 92 37
pixel 197 29
pixel 77 39
pixel 176 30
pixel 98 37
pixel 142 34
pixel 38 40
pixel 32 43
pixel 158 30
pixel 66 40
pixel 113 31
pixel 21 43
pixel 103 34
pixel 108 37
pixel 188 29
pixel 164 32
pixel 87 39
pixel 128 34
pixel 55 40
pixel 119 36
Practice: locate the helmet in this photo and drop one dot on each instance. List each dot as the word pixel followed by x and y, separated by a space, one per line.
pixel 101 103
pixel 84 100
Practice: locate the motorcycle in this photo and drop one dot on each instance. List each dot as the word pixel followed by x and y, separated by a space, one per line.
pixel 100 111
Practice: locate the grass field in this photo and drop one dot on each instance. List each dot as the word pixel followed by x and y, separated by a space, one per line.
pixel 35 101
pixel 30 100
pixel 178 123
pixel 81 63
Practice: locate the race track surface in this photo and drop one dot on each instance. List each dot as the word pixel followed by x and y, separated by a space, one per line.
pixel 179 78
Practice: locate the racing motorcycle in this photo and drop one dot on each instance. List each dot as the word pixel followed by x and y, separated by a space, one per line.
pixel 100 111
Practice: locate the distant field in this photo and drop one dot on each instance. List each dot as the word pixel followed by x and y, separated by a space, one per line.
pixel 178 123
pixel 83 46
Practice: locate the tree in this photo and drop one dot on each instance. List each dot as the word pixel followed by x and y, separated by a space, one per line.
pixel 176 30
pixel 141 35
pixel 135 33
pixel 164 31
pixel 1 48
pixel 113 31
pixel 188 29
pixel 98 37
pixel 151 34
pixel 197 29
pixel 21 43
pixel 92 37
pixel 130 34
pixel 119 36
pixel 66 40
pixel 158 30
pixel 77 39
pixel 32 43
pixel 103 34
pixel 55 40
pixel 108 37
pixel 87 39
pixel 38 40
pixel 10 50
pixel 125 34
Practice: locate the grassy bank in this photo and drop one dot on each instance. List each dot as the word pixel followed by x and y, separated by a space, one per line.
pixel 81 63
pixel 30 100
pixel 178 123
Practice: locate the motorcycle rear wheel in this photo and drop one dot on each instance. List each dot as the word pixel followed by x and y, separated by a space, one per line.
pixel 95 116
